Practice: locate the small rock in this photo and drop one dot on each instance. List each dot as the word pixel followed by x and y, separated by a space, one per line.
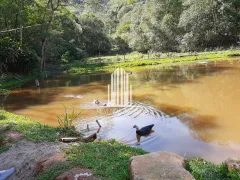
pixel 158 166
pixel 233 164
pixel 45 163
pixel 77 173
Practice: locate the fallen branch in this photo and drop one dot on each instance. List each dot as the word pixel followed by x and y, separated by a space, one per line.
pixel 98 123
pixel 90 138
pixel 70 139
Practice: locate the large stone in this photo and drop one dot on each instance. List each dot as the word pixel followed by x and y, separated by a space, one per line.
pixel 77 174
pixel 158 166
pixel 48 162
pixel 233 164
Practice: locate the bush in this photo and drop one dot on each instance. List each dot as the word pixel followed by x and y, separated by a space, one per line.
pixel 14 58
pixel 203 170
pixel 65 123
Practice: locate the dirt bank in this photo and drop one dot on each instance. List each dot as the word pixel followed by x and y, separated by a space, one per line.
pixel 23 156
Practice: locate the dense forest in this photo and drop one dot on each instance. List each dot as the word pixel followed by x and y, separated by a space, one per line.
pixel 36 32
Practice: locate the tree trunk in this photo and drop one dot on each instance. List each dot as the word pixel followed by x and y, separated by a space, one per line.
pixel 46 29
pixel 43 53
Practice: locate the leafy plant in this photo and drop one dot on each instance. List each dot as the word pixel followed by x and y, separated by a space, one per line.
pixel 65 123
pixel 204 170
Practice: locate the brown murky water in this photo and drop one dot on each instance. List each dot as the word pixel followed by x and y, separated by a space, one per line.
pixel 195 108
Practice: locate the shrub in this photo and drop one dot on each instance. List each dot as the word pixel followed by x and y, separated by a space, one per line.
pixel 65 123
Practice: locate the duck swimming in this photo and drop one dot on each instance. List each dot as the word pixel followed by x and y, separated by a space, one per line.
pixel 144 131
pixel 96 102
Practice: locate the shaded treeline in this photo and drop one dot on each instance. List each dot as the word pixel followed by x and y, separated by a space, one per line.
pixel 34 33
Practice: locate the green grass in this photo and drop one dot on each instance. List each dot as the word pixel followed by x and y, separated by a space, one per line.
pixel 53 172
pixel 203 170
pixel 110 159
pixel 3 148
pixel 11 82
pixel 14 81
pixel 32 130
pixel 109 63
pixel 107 159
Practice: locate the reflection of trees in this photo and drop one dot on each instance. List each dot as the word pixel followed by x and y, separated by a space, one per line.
pixel 178 74
pixel 209 107
pixel 201 126
pixel 3 96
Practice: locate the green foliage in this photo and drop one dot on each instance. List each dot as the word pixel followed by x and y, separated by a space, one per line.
pixel 66 31
pixel 11 81
pixel 108 159
pixel 138 59
pixel 53 172
pixel 119 46
pixel 65 123
pixel 176 25
pixel 3 148
pixel 32 130
pixel 203 170
pixel 124 28
pixel 208 24
pixel 3 141
pixel 15 58
pixel 93 38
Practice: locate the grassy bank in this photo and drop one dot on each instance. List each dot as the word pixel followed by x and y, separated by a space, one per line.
pixel 32 130
pixel 109 63
pixel 204 170
pixel 109 160
pixel 12 81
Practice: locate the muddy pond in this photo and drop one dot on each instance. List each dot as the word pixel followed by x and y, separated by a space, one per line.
pixel 195 107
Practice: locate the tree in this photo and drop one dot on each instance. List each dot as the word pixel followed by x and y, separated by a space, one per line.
pixel 209 23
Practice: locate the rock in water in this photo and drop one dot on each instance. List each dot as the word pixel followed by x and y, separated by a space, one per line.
pixel 158 166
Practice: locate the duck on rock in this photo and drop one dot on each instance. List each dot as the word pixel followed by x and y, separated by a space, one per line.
pixel 145 131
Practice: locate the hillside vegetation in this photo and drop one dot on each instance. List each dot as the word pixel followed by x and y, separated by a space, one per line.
pixel 36 33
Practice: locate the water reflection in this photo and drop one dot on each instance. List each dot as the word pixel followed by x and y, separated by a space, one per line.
pixel 194 107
